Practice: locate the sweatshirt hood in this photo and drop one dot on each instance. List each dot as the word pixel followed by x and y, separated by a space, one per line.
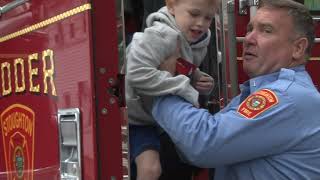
pixel 163 16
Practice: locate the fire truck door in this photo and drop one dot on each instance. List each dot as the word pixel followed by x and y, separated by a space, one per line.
pixel 109 54
pixel 61 103
pixel 47 90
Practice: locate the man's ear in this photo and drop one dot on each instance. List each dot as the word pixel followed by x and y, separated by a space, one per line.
pixel 300 47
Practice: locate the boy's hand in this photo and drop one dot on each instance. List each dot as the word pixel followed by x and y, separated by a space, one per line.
pixel 204 84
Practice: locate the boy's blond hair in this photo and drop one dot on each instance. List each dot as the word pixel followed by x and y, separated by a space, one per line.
pixel 169 3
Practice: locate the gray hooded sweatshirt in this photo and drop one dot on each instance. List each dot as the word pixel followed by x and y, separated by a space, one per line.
pixel 145 53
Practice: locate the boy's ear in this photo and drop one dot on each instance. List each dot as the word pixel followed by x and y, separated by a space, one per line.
pixel 170 9
pixel 169 4
pixel 300 47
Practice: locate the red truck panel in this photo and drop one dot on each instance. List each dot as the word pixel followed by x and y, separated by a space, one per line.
pixel 49 54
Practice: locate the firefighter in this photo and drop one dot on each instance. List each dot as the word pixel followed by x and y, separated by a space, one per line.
pixel 272 129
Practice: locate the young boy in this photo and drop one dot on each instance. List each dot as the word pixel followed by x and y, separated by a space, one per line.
pixel 181 28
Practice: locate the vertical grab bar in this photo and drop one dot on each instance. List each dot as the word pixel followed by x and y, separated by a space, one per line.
pixel 232 41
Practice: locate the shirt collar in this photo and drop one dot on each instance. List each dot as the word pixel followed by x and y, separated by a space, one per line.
pixel 255 83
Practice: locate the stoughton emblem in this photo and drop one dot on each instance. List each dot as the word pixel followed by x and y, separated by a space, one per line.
pixel 257 103
pixel 17 129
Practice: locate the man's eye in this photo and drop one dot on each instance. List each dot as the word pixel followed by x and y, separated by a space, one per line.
pixel 267 30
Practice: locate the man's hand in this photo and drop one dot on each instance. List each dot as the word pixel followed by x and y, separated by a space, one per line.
pixel 169 64
pixel 204 84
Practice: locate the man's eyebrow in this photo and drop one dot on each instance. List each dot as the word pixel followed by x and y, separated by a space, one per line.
pixel 266 26
pixel 260 25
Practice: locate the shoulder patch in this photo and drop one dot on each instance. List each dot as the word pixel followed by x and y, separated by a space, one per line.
pixel 258 103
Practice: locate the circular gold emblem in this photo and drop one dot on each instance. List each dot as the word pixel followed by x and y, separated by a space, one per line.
pixel 256 102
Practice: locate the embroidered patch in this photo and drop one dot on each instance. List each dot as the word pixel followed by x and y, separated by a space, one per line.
pixel 258 103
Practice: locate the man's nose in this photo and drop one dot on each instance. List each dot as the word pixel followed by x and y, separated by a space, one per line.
pixel 250 38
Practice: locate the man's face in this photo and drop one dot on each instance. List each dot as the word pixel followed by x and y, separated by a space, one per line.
pixel 193 17
pixel 268 44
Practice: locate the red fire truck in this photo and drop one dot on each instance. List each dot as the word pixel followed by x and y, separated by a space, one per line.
pixel 62 109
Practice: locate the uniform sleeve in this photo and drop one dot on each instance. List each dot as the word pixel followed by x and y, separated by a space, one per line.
pixel 144 57
pixel 227 137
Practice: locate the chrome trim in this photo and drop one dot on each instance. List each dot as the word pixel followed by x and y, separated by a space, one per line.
pixel 253 2
pixel 11 5
pixel 316 18
pixel 240 39
pixel 68 117
pixel 221 52
pixel 245 4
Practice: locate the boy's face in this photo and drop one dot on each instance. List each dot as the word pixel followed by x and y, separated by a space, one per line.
pixel 193 17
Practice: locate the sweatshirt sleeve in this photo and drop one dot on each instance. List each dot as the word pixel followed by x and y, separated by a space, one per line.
pixel 144 55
